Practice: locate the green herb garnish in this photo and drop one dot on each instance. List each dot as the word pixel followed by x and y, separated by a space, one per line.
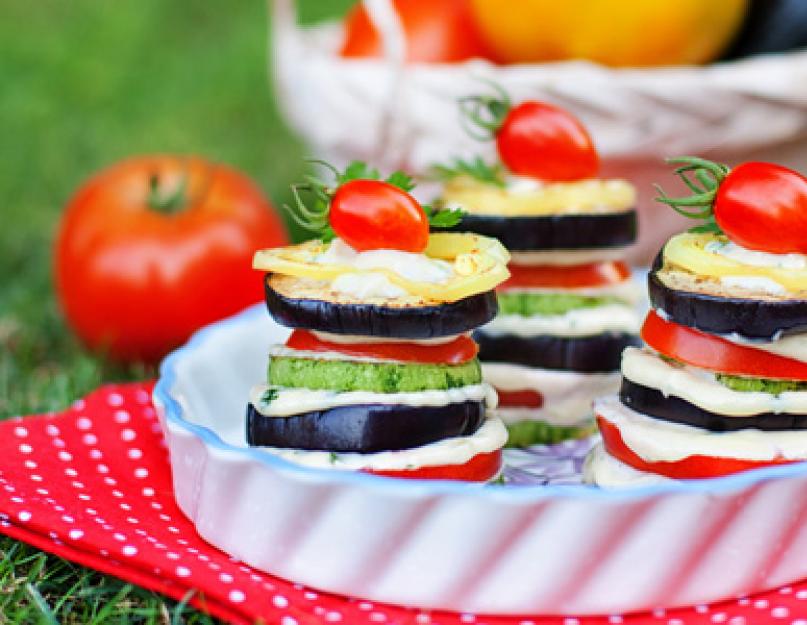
pixel 477 169
pixel 703 178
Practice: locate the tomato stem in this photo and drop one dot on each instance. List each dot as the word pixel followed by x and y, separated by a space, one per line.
pixel 169 203
pixel 700 205
pixel 482 115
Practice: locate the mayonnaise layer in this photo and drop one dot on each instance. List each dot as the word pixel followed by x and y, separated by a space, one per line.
pixel 292 401
pixel 491 436
pixel 409 265
pixel 577 322
pixel 792 346
pixel 568 257
pixel 603 470
pixel 699 387
pixel 281 351
pixel 756 258
pixel 628 291
pixel 655 440
pixel 349 339
pixel 567 395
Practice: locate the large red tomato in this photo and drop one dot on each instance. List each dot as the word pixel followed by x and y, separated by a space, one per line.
pixel 437 31
pixel 155 247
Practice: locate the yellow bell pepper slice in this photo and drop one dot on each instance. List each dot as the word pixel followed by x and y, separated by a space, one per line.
pixel 479 263
pixel 688 251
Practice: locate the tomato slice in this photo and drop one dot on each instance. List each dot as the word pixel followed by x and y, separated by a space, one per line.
pixel 563 276
pixel 692 467
pixel 455 352
pixel 480 468
pixel 717 354
pixel 521 399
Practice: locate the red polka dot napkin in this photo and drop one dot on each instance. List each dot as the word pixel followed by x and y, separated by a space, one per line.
pixel 93 485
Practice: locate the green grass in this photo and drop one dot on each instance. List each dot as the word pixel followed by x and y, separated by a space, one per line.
pixel 85 83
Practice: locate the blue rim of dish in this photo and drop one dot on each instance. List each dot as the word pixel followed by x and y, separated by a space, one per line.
pixel 414 487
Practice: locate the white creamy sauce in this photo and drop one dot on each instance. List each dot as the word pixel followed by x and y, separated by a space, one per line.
pixel 568 257
pixel 366 286
pixel 288 352
pixel 491 436
pixel 522 184
pixel 291 401
pixel 655 440
pixel 577 322
pixel 699 387
pixel 408 265
pixel 628 290
pixel 603 470
pixel 348 339
pixel 753 284
pixel 793 346
pixel 568 416
pixel 756 258
pixel 568 395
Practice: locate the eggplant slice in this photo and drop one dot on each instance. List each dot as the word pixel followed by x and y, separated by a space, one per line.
pixel 754 319
pixel 365 428
pixel 555 232
pixel 600 353
pixel 653 403
pixel 413 322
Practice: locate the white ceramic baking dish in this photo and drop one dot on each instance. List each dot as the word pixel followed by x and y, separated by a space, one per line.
pixel 559 549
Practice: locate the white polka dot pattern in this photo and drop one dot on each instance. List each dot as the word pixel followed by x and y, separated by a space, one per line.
pixel 134 530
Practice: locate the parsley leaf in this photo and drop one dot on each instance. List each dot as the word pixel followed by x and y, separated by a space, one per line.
pixel 269 395
pixel 476 168
pixel 443 217
pixel 357 170
pixel 402 180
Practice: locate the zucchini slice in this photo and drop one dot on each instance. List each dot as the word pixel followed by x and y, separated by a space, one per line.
pixel 381 377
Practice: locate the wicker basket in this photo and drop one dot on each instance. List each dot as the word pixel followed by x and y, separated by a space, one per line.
pixel 399 115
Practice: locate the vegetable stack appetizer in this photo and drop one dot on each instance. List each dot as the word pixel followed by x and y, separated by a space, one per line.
pixel 380 373
pixel 568 309
pixel 722 385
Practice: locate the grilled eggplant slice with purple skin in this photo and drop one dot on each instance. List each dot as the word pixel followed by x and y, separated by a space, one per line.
pixel 555 232
pixel 365 428
pixel 754 319
pixel 601 353
pixel 653 403
pixel 413 322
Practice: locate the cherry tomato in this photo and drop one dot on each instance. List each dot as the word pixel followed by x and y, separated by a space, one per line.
pixel 692 467
pixel 139 268
pixel 763 206
pixel 572 276
pixel 480 468
pixel 543 141
pixel 437 31
pixel 455 352
pixel 521 399
pixel 372 214
pixel 712 352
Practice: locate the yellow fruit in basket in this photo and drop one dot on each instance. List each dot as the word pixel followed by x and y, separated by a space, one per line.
pixel 618 33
